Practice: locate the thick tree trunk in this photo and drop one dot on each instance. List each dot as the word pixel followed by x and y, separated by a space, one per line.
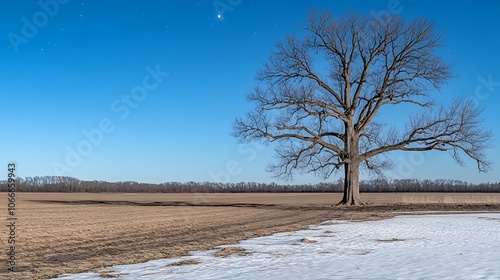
pixel 351 185
pixel 351 168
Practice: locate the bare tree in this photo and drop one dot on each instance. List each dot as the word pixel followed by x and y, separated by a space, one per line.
pixel 321 96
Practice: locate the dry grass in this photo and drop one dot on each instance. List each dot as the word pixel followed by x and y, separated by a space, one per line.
pixel 184 262
pixel 307 240
pixel 328 223
pixel 72 233
pixel 450 198
pixel 58 237
pixel 106 273
pixel 228 251
pixel 283 199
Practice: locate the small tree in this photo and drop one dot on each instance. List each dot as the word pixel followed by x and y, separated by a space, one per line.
pixel 322 116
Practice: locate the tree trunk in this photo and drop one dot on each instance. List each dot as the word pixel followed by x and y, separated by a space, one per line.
pixel 351 184
pixel 351 168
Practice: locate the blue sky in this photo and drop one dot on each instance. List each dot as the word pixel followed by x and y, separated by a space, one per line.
pixel 148 90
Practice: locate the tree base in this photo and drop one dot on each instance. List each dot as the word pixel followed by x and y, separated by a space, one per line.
pixel 350 203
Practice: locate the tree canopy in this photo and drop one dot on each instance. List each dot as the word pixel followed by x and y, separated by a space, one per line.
pixel 319 97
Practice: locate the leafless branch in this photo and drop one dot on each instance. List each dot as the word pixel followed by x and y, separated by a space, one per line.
pixel 320 96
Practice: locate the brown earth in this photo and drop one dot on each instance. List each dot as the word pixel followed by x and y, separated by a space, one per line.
pixel 71 233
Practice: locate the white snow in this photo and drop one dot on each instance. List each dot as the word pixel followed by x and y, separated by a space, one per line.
pixel 465 246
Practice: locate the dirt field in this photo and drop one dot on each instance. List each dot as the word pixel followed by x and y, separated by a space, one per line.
pixel 70 233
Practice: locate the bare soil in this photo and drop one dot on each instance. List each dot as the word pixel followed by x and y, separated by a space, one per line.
pixel 77 232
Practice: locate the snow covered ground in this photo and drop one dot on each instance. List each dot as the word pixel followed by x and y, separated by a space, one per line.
pixel 464 246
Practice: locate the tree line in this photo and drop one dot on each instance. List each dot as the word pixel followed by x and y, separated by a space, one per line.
pixel 70 184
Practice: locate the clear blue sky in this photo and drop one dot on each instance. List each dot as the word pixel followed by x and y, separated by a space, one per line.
pixel 77 66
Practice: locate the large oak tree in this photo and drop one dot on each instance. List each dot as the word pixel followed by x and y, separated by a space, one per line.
pixel 320 95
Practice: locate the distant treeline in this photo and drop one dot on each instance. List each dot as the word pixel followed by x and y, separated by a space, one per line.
pixel 69 184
